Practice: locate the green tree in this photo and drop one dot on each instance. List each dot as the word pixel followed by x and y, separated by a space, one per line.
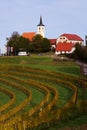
pixel 37 40
pixel 45 45
pixel 15 43
pixel 78 51
pixel 12 43
pixel 23 44
pixel 40 44
pixel 18 43
pixel 31 47
pixel 85 54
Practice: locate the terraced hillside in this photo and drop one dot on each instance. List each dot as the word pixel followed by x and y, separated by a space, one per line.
pixel 35 91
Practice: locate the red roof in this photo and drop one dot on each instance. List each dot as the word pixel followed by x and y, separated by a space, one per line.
pixel 29 35
pixel 52 41
pixel 72 37
pixel 64 46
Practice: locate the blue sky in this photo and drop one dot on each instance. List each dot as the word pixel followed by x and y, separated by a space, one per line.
pixel 59 16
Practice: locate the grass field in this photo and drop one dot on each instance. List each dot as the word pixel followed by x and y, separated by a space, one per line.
pixel 43 63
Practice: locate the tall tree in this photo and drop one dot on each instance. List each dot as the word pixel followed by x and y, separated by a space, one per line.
pixel 16 43
pixel 36 43
pixel 37 39
pixel 45 45
pixel 78 51
pixel 40 44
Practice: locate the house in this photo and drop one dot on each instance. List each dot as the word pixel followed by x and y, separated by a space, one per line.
pixel 74 38
pixel 65 43
pixel 64 48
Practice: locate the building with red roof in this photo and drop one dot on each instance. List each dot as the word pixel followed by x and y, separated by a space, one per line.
pixel 65 43
pixel 64 47
pixel 40 30
pixel 29 35
pixel 74 38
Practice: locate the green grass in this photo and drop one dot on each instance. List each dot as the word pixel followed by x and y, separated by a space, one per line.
pixel 4 98
pixel 63 92
pixel 20 96
pixel 47 63
pixel 43 62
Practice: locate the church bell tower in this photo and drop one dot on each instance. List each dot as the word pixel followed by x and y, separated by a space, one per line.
pixel 41 28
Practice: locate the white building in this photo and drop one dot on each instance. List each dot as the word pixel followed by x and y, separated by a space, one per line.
pixel 70 38
pixel 65 43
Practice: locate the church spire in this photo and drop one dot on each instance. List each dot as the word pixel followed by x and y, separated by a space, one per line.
pixel 40 23
pixel 41 28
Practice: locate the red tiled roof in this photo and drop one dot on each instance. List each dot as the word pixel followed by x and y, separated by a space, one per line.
pixel 64 46
pixel 72 37
pixel 52 41
pixel 29 35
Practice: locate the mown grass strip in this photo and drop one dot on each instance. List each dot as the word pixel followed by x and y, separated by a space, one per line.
pixel 12 99
pixel 45 78
pixel 21 105
pixel 56 81
pixel 4 98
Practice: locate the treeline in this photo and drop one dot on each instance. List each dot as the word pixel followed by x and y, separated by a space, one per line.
pixel 17 43
pixel 80 53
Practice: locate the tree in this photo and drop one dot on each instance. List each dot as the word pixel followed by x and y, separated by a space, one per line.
pixel 23 44
pixel 78 53
pixel 40 44
pixel 16 43
pixel 37 40
pixel 85 54
pixel 12 43
pixel 45 45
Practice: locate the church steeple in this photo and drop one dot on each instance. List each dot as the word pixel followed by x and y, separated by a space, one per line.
pixel 40 23
pixel 41 28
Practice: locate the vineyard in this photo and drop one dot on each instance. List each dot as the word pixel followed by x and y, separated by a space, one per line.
pixel 36 91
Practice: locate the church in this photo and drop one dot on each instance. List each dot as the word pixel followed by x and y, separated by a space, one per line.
pixel 65 43
pixel 40 30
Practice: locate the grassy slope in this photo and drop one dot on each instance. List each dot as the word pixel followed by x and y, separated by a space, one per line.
pixel 48 63
pixel 4 98
pixel 42 62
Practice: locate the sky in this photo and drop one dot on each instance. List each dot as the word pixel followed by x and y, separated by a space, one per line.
pixel 58 16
